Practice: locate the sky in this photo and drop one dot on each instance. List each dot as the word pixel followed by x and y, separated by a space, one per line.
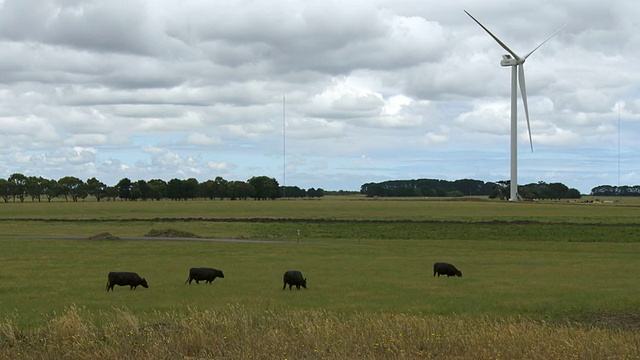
pixel 318 93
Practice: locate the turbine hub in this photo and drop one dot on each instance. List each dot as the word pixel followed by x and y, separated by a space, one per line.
pixel 508 60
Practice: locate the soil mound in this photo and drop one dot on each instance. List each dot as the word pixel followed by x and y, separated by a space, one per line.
pixel 103 236
pixel 170 233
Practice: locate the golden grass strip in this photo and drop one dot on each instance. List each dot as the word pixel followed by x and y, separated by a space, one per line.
pixel 237 333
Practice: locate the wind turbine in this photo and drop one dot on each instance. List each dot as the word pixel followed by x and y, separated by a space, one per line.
pixel 517 71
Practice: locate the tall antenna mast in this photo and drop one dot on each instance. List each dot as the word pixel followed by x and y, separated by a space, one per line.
pixel 284 151
pixel 618 144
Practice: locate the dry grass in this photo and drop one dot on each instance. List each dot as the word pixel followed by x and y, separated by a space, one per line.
pixel 235 333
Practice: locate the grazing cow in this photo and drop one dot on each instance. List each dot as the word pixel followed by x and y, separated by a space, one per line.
pixel 294 277
pixel 125 278
pixel 441 268
pixel 203 274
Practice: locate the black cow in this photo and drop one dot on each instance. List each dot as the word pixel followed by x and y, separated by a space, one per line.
pixel 294 277
pixel 441 268
pixel 125 278
pixel 203 274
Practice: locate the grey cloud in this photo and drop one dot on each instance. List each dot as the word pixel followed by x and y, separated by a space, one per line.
pixel 112 26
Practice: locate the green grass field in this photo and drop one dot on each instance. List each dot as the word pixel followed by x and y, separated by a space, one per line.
pixel 558 263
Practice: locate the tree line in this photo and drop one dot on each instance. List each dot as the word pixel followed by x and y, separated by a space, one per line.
pixel 19 187
pixel 609 190
pixel 466 187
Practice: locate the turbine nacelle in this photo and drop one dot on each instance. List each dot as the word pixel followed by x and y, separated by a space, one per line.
pixel 508 60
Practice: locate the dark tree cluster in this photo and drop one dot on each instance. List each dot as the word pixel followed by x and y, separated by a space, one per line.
pixel 542 190
pixel 427 187
pixel 608 190
pixel 457 188
pixel 19 187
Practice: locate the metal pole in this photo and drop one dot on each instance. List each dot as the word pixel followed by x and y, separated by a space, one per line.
pixel 284 152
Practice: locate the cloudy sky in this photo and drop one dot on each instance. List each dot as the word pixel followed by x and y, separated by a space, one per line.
pixel 373 90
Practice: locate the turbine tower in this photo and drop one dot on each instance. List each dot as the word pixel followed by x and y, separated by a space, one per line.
pixel 517 74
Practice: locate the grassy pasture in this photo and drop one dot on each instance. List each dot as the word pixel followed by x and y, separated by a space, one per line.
pixel 535 279
pixel 349 208
pixel 525 266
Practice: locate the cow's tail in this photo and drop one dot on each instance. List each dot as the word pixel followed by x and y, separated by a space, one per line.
pixel 188 280
pixel 107 287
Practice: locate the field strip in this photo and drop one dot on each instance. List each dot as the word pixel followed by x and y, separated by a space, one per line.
pixel 322 221
pixel 160 238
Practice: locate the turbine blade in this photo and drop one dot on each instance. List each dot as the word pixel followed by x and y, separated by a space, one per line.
pixel 552 35
pixel 523 90
pixel 504 46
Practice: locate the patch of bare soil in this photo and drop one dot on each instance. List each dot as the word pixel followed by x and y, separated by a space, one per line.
pixel 170 233
pixel 103 236
pixel 623 320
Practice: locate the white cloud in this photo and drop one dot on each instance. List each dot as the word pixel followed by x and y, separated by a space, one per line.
pixel 218 166
pixel 202 140
pixel 432 138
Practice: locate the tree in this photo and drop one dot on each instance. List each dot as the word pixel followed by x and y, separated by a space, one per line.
pixel 136 193
pixel 501 190
pixel 373 190
pixel 5 190
pixel 18 186
pixel 35 187
pixel 608 190
pixel 240 190
pixel 221 187
pixel 111 193
pixel 573 194
pixel 73 187
pixel 315 192
pixel 469 187
pixel 124 188
pixel 51 189
pixel 191 188
pixel 96 188
pixel 265 187
pixel 183 189
pixel 141 190
pixel 206 190
pixel 293 192
pixel 157 189
pixel 212 189
pixel 174 189
pixel 542 190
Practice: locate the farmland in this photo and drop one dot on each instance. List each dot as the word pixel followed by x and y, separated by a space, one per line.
pixel 534 268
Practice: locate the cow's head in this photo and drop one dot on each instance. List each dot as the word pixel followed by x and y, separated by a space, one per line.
pixel 458 273
pixel 304 283
pixel 144 284
pixel 220 274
